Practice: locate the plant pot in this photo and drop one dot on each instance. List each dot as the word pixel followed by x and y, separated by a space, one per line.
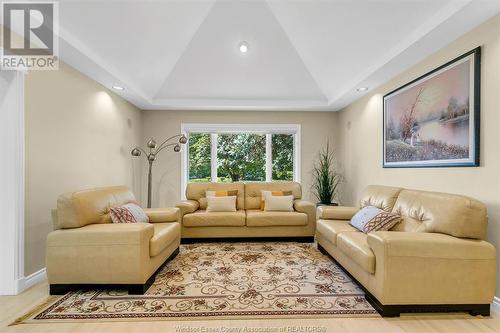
pixel 324 204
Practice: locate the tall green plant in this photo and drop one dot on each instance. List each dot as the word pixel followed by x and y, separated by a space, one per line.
pixel 325 178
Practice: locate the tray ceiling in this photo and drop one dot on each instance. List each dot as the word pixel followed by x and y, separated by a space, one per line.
pixel 302 55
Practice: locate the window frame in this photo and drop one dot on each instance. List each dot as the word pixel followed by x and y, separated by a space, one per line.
pixel 215 129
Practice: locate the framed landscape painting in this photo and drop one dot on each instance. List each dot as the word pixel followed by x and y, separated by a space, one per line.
pixel 433 121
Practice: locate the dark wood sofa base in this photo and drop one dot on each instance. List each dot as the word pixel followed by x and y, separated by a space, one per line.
pixel 299 239
pixel 396 310
pixel 133 289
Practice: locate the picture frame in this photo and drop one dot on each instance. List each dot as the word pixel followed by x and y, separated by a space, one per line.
pixel 434 120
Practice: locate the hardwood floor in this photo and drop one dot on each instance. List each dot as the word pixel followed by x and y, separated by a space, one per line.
pixel 11 307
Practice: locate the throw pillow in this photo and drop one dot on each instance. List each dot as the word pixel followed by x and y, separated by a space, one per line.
pixel 265 194
pixel 221 204
pixel 279 203
pixel 229 193
pixel 129 213
pixel 374 219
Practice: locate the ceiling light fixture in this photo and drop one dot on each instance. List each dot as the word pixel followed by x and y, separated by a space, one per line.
pixel 361 89
pixel 118 88
pixel 243 47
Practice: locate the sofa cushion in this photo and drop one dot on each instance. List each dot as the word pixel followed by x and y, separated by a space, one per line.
pixel 451 214
pixel 330 229
pixel 77 209
pixel 383 197
pixel 202 218
pixel 258 218
pixel 355 246
pixel 164 235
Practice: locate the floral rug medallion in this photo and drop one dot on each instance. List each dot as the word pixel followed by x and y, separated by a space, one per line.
pixel 227 280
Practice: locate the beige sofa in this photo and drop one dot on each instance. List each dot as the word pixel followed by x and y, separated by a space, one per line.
pixel 249 220
pixel 86 249
pixel 436 259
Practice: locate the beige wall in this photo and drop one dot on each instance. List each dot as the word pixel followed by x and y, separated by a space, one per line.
pixel 78 135
pixel 316 129
pixel 360 126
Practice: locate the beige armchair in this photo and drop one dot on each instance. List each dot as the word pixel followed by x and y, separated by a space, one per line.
pixel 86 249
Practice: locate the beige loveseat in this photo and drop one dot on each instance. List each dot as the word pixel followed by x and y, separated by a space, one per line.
pixel 249 220
pixel 436 259
pixel 87 249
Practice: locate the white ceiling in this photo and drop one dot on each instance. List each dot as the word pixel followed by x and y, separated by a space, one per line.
pixel 303 55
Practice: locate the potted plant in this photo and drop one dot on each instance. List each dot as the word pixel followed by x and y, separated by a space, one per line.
pixel 325 179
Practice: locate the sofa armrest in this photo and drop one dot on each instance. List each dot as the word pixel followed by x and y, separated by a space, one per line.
pixel 188 206
pixel 102 234
pixel 336 212
pixel 431 268
pixel 162 215
pixel 303 206
pixel 428 245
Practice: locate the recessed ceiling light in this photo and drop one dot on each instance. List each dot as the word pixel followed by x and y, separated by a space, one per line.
pixel 243 47
pixel 118 88
pixel 360 89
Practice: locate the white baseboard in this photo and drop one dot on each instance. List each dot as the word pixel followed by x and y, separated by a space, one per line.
pixel 495 306
pixel 30 280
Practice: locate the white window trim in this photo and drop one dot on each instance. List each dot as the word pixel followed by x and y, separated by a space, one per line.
pixel 215 129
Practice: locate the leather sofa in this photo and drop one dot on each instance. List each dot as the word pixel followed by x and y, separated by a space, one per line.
pixel 87 249
pixel 249 220
pixel 435 260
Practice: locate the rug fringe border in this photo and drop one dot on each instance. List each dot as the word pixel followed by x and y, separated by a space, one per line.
pixel 198 318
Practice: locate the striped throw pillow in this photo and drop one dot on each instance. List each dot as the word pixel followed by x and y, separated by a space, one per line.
pixel 129 213
pixel 372 218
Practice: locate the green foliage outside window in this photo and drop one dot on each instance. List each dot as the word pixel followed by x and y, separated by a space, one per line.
pixel 282 156
pixel 199 157
pixel 241 157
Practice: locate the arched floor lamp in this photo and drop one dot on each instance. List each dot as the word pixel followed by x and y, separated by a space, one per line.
pixel 154 149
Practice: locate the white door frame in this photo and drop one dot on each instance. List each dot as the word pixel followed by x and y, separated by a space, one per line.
pixel 12 182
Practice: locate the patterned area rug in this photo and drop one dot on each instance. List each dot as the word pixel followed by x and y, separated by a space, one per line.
pixel 226 280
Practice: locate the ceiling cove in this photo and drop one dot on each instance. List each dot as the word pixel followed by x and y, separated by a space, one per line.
pixel 301 55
